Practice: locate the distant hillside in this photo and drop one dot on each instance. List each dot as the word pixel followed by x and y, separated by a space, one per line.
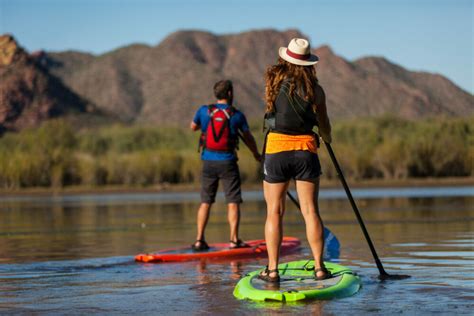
pixel 28 93
pixel 166 83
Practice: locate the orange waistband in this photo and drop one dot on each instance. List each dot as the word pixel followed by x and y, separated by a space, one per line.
pixel 277 142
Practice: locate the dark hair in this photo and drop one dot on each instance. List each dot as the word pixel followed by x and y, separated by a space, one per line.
pixel 222 88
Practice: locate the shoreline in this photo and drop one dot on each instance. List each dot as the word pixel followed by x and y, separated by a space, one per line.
pixel 195 187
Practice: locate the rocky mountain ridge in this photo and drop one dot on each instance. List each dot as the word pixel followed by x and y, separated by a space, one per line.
pixel 29 94
pixel 166 83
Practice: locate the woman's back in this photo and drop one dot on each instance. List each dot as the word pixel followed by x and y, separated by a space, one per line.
pixel 293 114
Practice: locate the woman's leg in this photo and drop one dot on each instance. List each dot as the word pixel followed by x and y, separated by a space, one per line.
pixel 275 198
pixel 308 195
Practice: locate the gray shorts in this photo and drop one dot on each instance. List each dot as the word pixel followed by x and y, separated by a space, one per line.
pixel 226 171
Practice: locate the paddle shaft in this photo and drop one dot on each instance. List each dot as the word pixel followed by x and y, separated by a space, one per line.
pixel 356 210
pixel 293 199
pixel 352 202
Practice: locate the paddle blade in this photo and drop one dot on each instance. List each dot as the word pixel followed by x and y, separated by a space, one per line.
pixel 386 276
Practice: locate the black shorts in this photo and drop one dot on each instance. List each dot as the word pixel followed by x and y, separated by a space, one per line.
pixel 286 165
pixel 226 171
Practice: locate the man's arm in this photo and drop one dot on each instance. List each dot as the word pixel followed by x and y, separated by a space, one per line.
pixel 196 122
pixel 249 140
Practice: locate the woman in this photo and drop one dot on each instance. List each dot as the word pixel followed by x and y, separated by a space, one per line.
pixel 295 104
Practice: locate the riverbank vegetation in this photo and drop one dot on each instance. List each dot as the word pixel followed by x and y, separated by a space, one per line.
pixel 56 155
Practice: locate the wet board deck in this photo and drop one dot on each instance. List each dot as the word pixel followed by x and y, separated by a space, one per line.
pixel 221 250
pixel 297 283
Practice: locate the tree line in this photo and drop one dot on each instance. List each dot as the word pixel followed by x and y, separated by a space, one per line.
pixel 57 155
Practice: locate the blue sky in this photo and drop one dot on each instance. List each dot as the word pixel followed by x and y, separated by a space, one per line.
pixel 428 35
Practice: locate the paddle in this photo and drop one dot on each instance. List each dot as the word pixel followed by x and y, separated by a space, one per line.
pixel 382 273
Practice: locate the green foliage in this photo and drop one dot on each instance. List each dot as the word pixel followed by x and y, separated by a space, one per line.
pixel 55 155
pixel 41 157
pixel 391 148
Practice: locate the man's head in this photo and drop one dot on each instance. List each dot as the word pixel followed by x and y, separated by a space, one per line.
pixel 223 90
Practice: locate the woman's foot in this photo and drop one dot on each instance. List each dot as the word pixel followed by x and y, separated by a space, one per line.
pixel 200 245
pixel 269 275
pixel 322 274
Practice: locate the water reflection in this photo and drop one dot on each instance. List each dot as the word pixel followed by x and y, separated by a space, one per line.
pixel 76 254
pixel 83 229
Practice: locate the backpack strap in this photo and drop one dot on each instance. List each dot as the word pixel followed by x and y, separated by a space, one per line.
pixel 212 109
pixel 227 113
pixel 231 110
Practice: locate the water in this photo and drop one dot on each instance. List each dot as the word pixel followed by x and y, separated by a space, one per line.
pixel 74 254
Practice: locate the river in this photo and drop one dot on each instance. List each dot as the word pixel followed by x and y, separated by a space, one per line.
pixel 73 254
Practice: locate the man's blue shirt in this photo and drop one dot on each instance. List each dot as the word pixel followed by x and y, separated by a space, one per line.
pixel 237 122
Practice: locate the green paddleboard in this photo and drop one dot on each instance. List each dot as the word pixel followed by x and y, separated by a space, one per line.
pixel 297 283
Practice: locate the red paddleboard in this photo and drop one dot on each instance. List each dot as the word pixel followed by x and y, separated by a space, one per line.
pixel 221 250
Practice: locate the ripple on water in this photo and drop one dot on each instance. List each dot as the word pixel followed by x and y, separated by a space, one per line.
pixel 435 252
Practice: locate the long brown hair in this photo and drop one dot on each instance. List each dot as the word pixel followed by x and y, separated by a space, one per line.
pixel 302 77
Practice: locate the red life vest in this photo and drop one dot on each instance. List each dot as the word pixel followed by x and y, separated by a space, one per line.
pixel 217 136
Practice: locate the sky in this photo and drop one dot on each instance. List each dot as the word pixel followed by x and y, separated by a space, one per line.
pixel 423 35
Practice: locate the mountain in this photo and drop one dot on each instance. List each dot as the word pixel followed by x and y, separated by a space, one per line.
pixel 165 84
pixel 29 94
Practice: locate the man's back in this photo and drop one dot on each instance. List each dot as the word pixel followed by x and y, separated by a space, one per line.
pixel 237 122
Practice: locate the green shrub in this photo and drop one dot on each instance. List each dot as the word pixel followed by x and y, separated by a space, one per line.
pixel 54 155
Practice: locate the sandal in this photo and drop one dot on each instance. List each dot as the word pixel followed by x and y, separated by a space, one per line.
pixel 238 244
pixel 201 245
pixel 265 275
pixel 326 275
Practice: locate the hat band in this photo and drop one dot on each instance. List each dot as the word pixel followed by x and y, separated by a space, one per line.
pixel 297 56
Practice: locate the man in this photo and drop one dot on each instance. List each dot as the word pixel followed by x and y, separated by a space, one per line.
pixel 220 124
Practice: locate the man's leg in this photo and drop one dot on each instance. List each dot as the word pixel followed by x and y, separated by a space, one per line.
pixel 234 220
pixel 209 184
pixel 230 177
pixel 202 218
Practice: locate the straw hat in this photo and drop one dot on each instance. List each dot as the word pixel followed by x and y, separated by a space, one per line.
pixel 298 52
